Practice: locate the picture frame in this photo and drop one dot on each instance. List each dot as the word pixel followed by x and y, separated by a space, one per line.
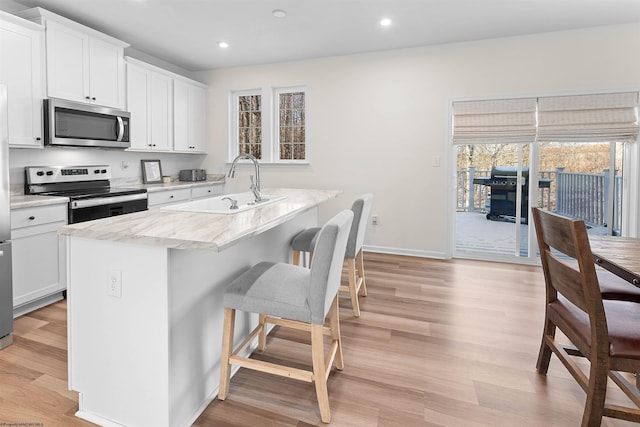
pixel 151 171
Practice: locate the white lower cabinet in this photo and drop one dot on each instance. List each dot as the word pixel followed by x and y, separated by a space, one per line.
pixel 158 199
pixel 207 191
pixel 36 255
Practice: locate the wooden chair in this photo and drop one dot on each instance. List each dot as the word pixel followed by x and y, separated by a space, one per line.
pixel 305 242
pixel 605 332
pixel 296 297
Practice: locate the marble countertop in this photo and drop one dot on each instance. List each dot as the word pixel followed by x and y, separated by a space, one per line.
pixel 193 230
pixel 22 201
pixel 218 179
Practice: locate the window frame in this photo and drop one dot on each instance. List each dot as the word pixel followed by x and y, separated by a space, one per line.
pixel 270 112
pixel 276 124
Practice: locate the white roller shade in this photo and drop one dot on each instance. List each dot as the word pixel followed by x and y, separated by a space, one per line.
pixel 494 121
pixel 588 118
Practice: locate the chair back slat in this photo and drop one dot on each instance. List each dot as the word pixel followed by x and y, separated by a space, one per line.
pixel 361 209
pixel 326 268
pixel 568 263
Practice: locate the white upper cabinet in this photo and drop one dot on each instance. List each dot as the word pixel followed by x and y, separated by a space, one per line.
pixel 189 116
pixel 168 111
pixel 21 62
pixel 149 100
pixel 83 65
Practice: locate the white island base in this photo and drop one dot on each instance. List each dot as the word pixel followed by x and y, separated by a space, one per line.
pixel 145 323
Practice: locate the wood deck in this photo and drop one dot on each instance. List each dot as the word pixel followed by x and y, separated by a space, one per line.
pixel 475 234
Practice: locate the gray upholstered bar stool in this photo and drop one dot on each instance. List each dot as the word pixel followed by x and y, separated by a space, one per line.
pixel 296 297
pixel 305 242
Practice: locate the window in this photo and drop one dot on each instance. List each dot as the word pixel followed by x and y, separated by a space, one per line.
pixel 291 129
pixel 247 120
pixel 270 124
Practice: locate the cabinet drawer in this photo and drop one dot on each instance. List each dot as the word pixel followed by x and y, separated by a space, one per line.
pixel 29 217
pixel 206 191
pixel 169 196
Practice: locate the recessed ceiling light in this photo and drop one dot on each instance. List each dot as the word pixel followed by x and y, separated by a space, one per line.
pixel 279 13
pixel 385 22
pixel 223 45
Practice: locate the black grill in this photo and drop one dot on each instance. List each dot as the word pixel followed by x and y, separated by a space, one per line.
pixel 503 187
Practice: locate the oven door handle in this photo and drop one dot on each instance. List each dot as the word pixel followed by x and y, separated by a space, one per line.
pixel 99 201
pixel 120 129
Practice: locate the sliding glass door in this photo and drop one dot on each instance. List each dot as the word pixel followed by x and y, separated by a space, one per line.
pixel 492 201
pixel 561 153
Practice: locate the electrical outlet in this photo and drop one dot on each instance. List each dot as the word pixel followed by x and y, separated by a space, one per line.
pixel 374 220
pixel 114 284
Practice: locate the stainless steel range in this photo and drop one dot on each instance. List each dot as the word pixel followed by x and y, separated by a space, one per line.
pixel 88 189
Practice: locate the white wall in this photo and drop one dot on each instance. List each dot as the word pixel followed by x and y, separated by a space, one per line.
pixel 376 121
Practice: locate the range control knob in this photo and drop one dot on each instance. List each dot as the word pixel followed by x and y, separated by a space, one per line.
pixel 49 173
pixel 96 171
pixel 40 173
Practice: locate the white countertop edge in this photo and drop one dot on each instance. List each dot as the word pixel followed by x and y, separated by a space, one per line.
pixel 92 230
pixel 28 201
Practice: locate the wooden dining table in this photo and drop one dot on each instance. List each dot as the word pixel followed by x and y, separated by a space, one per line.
pixel 619 255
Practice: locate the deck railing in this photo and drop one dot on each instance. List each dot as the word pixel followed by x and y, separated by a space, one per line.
pixel 575 194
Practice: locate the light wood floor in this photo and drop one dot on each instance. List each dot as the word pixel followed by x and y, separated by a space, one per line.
pixel 439 343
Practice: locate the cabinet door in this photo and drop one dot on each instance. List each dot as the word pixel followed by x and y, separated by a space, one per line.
pixel 39 251
pixel 180 116
pixel 198 118
pixel 189 103
pixel 22 73
pixel 36 252
pixel 67 63
pixel 138 84
pixel 161 112
pixel 106 78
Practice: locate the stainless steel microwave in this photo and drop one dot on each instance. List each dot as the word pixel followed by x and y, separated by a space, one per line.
pixel 74 124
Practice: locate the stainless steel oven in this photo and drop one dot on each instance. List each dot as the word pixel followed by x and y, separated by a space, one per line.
pixel 88 189
pixel 75 124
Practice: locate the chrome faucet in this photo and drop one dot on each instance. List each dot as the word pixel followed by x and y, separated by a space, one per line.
pixel 255 185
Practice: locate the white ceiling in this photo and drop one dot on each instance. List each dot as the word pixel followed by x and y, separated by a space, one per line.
pixel 186 32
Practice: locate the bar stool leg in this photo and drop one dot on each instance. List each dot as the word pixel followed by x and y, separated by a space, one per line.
pixel 262 337
pixel 227 348
pixel 353 286
pixel 360 268
pixel 334 323
pixel 319 372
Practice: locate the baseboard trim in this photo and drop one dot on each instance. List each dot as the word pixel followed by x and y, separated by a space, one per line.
pixel 407 252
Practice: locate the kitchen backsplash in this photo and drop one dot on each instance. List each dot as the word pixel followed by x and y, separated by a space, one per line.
pixel 125 165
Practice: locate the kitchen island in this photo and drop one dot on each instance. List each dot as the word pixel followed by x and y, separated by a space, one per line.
pixel 145 303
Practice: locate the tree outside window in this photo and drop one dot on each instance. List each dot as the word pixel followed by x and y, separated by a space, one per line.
pixel 291 134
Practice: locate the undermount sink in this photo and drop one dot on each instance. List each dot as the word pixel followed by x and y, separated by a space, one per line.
pixel 222 204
